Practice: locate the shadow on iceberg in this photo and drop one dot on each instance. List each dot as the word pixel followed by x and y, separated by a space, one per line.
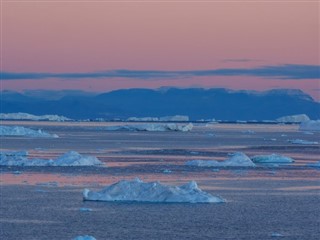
pixel 152 192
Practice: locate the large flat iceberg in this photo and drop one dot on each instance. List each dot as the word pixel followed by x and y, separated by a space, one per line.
pixel 236 160
pixel 139 191
pixel 31 117
pixel 22 131
pixel 273 158
pixel 71 158
pixel 153 127
pixel 293 118
pixel 312 125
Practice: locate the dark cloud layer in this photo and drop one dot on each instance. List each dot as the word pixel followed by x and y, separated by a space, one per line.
pixel 288 71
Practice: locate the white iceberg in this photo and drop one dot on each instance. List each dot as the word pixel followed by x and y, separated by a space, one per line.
pixel 303 142
pixel 312 125
pixel 71 158
pixel 176 118
pixel 153 127
pixel 273 158
pixel 31 117
pixel 86 237
pixel 236 160
pixel 22 131
pixel 143 119
pixel 139 191
pixel 293 118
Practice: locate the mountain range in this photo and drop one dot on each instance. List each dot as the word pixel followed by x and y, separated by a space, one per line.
pixel 197 103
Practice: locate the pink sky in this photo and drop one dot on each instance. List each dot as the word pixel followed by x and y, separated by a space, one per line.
pixel 96 36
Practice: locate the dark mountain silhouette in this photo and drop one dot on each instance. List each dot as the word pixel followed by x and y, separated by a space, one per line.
pixel 197 103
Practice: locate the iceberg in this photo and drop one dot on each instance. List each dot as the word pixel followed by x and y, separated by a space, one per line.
pixel 86 237
pixel 143 119
pixel 71 158
pixel 236 160
pixel 152 127
pixel 304 142
pixel 155 192
pixel 176 118
pixel 312 125
pixel 27 116
pixel 22 131
pixel 293 118
pixel 316 164
pixel 273 158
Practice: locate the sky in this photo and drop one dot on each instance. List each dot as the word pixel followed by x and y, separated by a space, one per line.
pixel 106 45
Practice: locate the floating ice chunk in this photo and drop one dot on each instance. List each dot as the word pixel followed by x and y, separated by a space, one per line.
pixel 22 131
pixel 167 171
pixel 139 191
pixel 312 125
pixel 27 116
pixel 85 210
pixel 248 132
pixel 86 237
pixel 316 164
pixel 275 234
pixel 236 160
pixel 152 127
pixel 304 142
pixel 293 118
pixel 71 158
pixel 273 158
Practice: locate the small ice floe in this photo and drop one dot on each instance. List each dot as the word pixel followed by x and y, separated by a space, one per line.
pixel 216 170
pixel 86 237
pixel 248 132
pixel 22 131
pixel 293 118
pixel 71 158
pixel 284 135
pixel 312 125
pixel 167 171
pixel 270 139
pixel 304 142
pixel 153 127
pixel 85 209
pixel 139 191
pixel 273 158
pixel 17 172
pixel 236 160
pixel 275 234
pixel 308 133
pixel 316 164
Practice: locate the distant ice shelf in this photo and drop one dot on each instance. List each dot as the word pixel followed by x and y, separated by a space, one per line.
pixel 31 117
pixel 272 158
pixel 139 191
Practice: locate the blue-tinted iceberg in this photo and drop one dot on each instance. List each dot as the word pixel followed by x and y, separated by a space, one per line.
pixel 273 158
pixel 71 158
pixel 22 131
pixel 293 118
pixel 86 237
pixel 139 191
pixel 312 125
pixel 236 160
